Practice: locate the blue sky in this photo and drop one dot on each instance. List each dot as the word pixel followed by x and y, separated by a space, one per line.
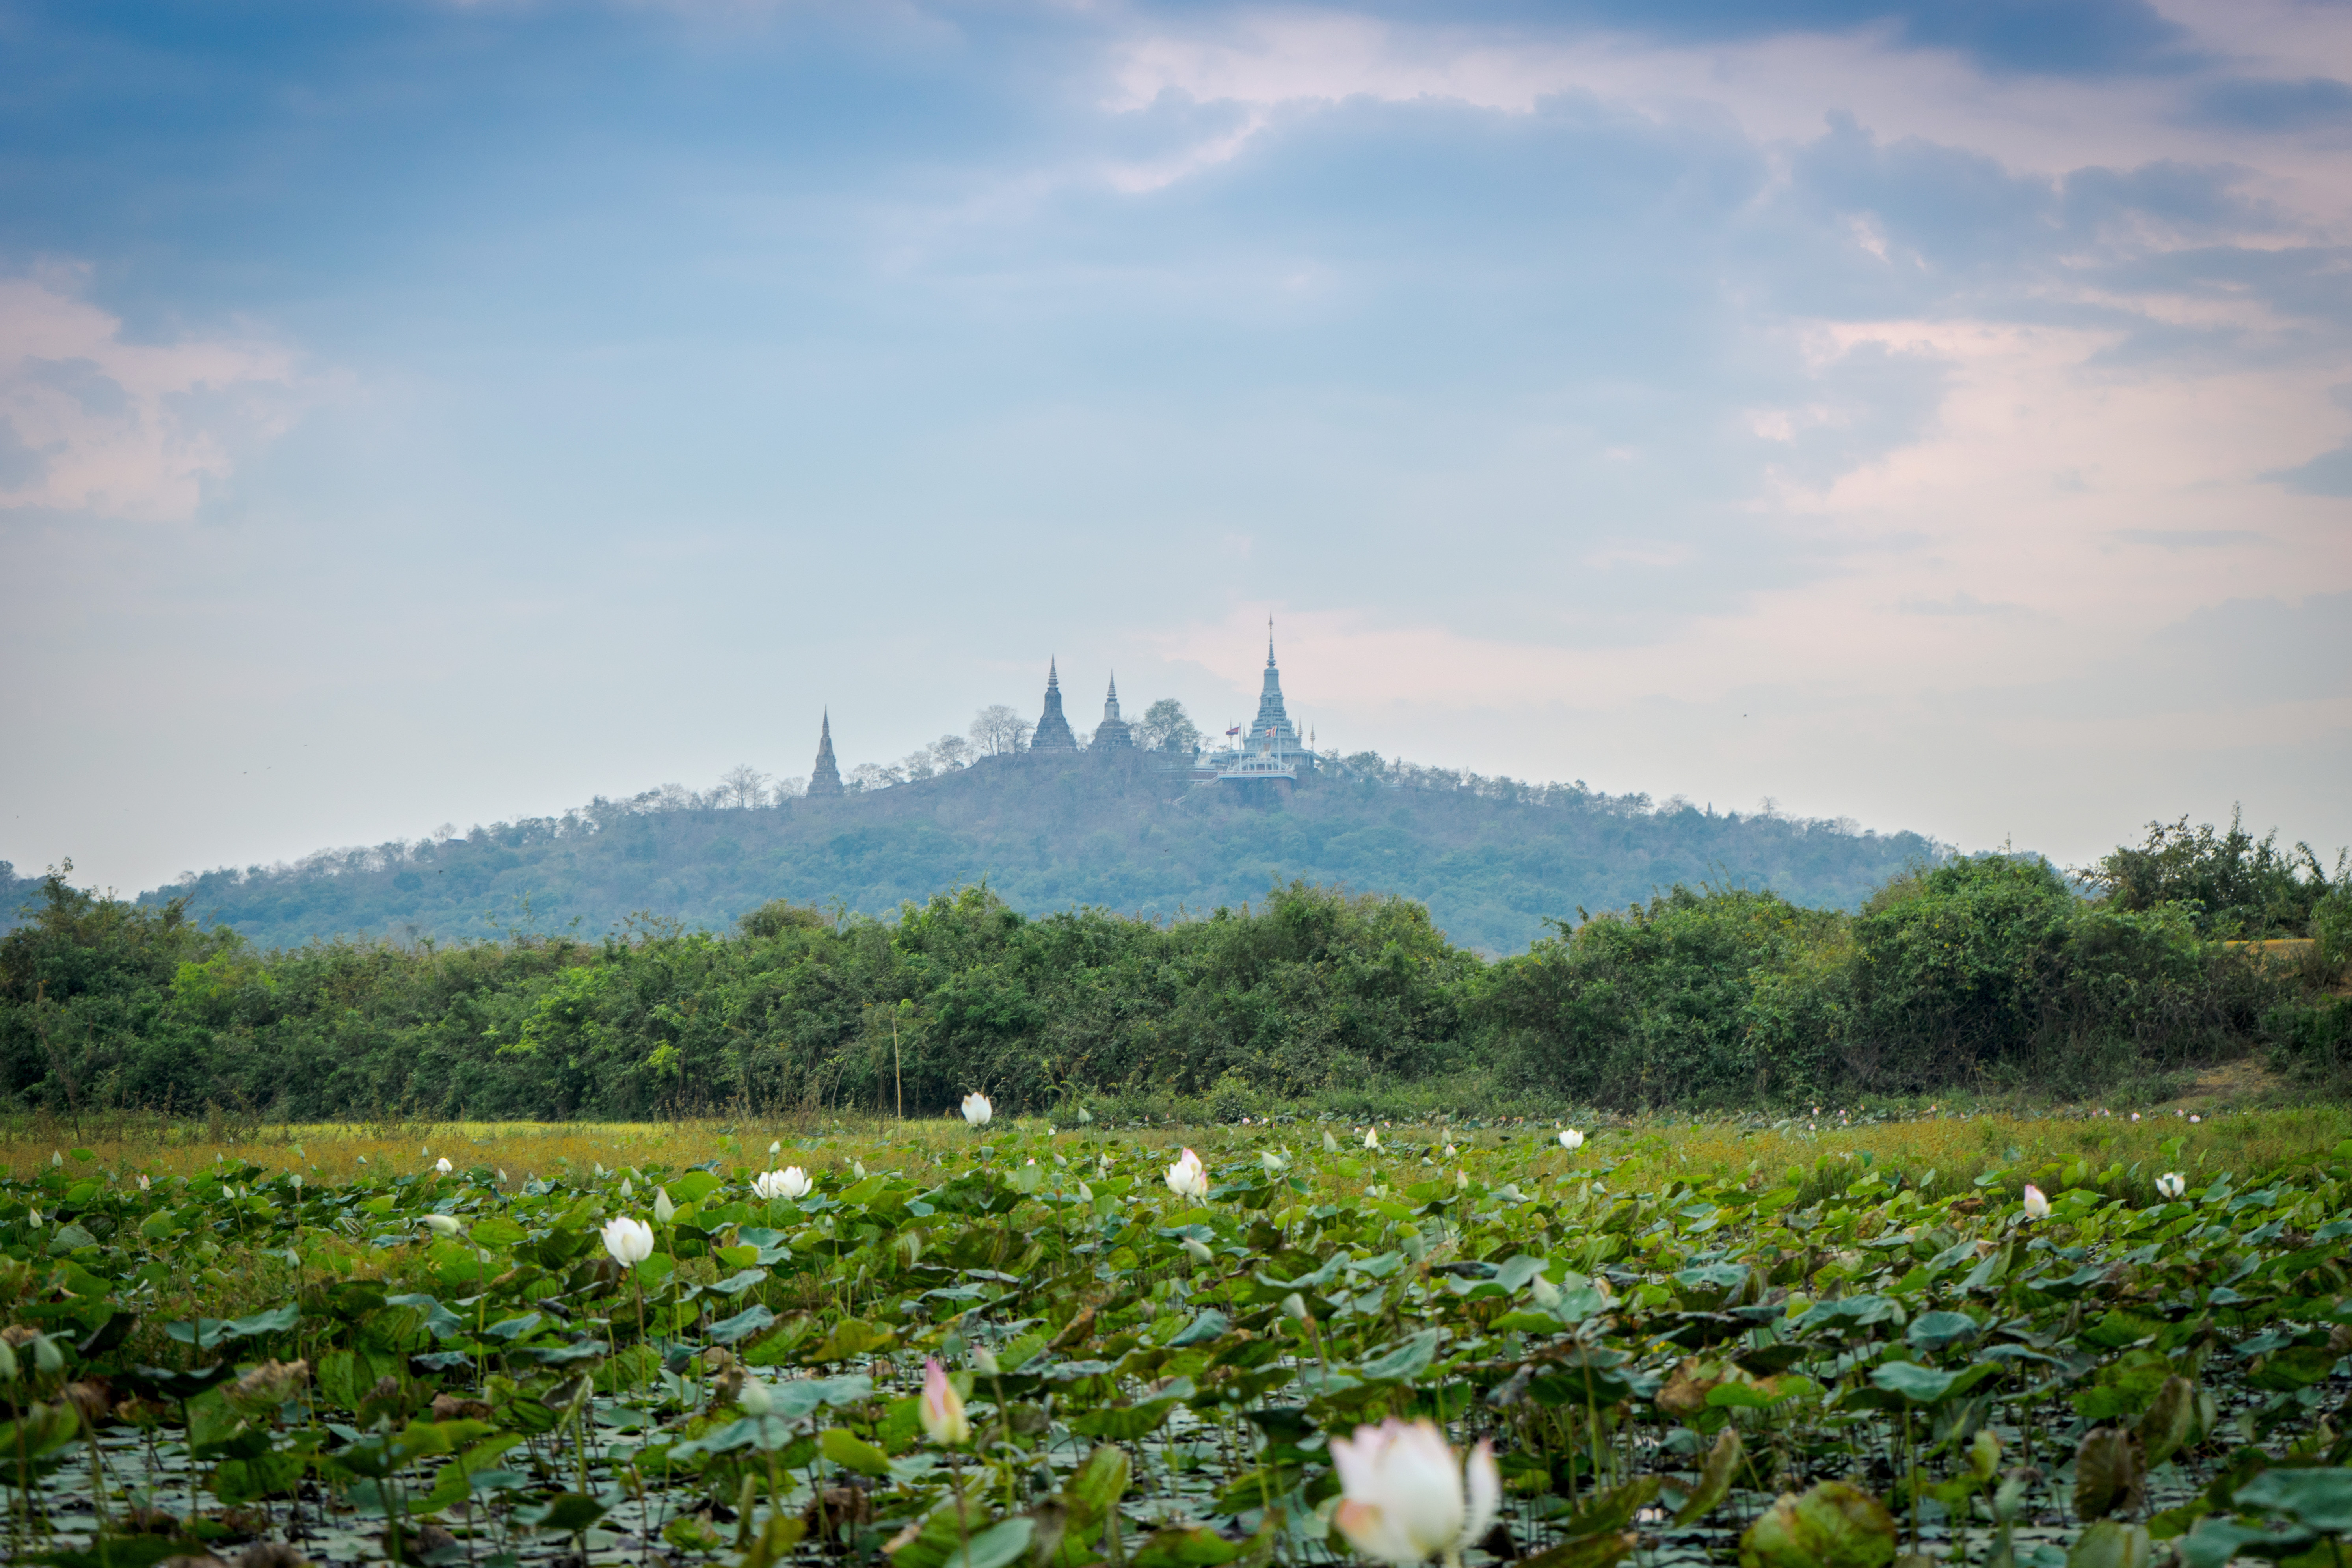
pixel 1938 415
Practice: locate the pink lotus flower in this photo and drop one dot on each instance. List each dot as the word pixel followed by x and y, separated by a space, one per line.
pixel 941 1411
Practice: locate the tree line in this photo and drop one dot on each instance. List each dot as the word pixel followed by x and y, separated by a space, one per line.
pixel 1987 972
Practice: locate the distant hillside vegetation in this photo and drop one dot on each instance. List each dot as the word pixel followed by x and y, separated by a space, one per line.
pixel 1492 858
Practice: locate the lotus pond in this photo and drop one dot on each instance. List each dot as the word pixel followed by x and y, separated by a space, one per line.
pixel 1835 1359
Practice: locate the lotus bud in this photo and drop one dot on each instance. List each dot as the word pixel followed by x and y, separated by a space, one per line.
pixel 858 1169
pixel 1086 1194
pixel 1371 1137
pixel 1295 1306
pixel 7 1362
pixel 1272 1160
pixel 627 1192
pixel 298 1184
pixel 442 1224
pixel 2036 1205
pixel 755 1399
pixel 1086 1117
pixel 57 1159
pixel 1984 1454
pixel 941 1410
pixel 983 1362
pixel 665 1211
pixel 1331 1144
pixel 1546 1294
pixel 48 1360
pixel 1198 1253
pixel 776 1147
pixel 977 1109
pixel 144 1184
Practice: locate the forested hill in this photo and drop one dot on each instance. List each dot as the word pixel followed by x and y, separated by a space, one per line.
pixel 1491 858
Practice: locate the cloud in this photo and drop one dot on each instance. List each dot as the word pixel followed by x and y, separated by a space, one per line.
pixel 2256 104
pixel 2328 474
pixel 93 422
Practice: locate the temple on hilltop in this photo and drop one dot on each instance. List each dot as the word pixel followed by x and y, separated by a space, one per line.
pixel 825 778
pixel 1053 731
pixel 1114 733
pixel 1269 748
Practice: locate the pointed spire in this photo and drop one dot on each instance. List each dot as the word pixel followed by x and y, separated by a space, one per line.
pixel 1053 731
pixel 1269 642
pixel 824 778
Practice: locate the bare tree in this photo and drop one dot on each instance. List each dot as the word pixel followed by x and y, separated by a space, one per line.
pixel 998 731
pixel 920 763
pixel 790 789
pixel 874 775
pixel 951 752
pixel 743 786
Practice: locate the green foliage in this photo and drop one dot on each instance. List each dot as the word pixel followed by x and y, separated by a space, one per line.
pixel 2233 884
pixel 1490 857
pixel 1652 1355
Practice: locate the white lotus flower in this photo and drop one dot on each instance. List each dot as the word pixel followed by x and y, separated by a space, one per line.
pixel 858 1169
pixel 2036 1205
pixel 790 1183
pixel 665 1211
pixel 442 1165
pixel 2135 1116
pixel 1571 1140
pixel 2171 1184
pixel 1188 1178
pixel 144 1184
pixel 1406 1497
pixel 1371 1137
pixel 630 1241
pixel 976 1108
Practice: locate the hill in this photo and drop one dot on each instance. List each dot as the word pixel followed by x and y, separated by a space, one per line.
pixel 1491 858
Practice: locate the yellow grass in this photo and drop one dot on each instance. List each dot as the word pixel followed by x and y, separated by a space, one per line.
pixel 1957 1148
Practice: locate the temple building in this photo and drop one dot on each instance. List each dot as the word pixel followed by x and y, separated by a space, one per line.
pixel 1269 748
pixel 1053 731
pixel 1114 733
pixel 825 778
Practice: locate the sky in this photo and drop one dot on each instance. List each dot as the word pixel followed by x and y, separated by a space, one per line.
pixel 1930 413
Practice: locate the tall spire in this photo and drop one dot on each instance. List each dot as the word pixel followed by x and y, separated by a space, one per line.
pixel 1115 733
pixel 1052 732
pixel 1269 642
pixel 825 778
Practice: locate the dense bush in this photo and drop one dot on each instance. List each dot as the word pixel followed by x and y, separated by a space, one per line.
pixel 1987 972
